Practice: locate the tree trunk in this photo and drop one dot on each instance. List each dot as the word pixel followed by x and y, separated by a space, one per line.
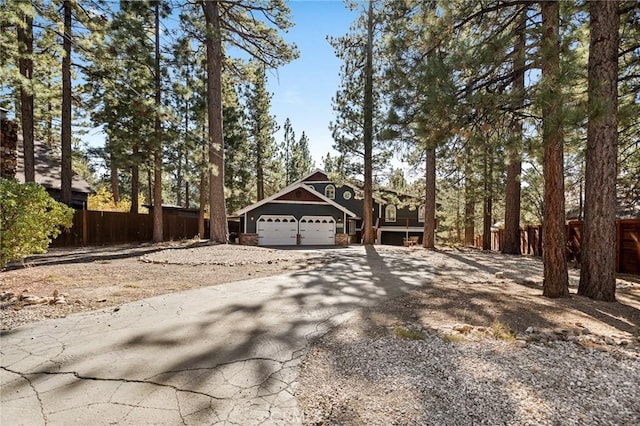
pixel 368 234
pixel 469 200
pixel 514 168
pixel 25 64
pixel 203 195
pixel 219 229
pixel 598 256
pixel 157 155
pixel 259 169
pixel 487 199
pixel 429 240
pixel 65 137
pixel 556 281
pixel 135 181
pixel 113 167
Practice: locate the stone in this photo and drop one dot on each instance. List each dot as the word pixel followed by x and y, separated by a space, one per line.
pixel 521 343
pixel 463 328
pixel 530 330
pixel 500 275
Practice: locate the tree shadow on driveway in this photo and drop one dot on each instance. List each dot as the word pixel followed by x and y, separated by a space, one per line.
pixel 228 353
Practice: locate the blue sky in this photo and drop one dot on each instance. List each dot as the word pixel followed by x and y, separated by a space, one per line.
pixel 302 90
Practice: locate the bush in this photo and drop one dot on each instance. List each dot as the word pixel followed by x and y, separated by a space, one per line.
pixel 29 220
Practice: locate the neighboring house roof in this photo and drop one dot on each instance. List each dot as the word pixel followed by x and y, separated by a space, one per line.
pixel 281 197
pixel 48 169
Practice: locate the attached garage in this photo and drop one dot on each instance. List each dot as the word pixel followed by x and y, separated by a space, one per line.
pixel 274 230
pixel 317 231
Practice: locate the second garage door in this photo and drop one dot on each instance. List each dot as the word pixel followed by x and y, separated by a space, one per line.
pixel 277 230
pixel 317 231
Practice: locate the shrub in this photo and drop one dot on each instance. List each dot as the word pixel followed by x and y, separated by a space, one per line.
pixel 29 220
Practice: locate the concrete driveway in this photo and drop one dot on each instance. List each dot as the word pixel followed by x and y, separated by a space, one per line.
pixel 227 354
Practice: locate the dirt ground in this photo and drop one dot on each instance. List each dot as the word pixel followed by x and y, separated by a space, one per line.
pixel 103 277
pixel 471 287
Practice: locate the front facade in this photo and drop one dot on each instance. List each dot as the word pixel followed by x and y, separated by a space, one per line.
pixel 316 211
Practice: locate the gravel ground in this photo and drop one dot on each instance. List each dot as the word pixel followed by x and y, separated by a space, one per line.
pixel 431 357
pixel 352 379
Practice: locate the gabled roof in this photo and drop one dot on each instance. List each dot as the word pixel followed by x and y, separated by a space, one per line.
pixel 47 169
pixel 294 186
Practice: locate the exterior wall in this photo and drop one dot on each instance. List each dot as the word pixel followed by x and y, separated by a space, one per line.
pixel 249 239
pixel 404 217
pixel 296 210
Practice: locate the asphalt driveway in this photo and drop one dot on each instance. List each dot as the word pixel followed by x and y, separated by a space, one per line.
pixel 227 354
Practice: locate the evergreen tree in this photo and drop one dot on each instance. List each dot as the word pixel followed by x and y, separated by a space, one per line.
pixel 302 163
pixel 287 148
pixel 262 125
pixel 598 256
pixel 358 105
pixel 239 175
pixel 556 281
pixel 241 29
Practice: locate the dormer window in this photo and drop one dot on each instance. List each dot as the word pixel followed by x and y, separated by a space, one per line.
pixel 390 213
pixel 330 192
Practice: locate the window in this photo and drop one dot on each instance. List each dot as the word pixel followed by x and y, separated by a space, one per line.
pixel 390 213
pixel 330 192
pixel 421 213
pixel 346 195
pixel 311 187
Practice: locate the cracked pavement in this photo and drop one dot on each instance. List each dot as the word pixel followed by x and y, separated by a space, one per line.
pixel 227 354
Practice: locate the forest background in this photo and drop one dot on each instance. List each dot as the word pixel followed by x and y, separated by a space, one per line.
pixel 490 101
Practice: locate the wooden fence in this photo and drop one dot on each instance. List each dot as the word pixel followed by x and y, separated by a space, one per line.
pixel 102 228
pixel 627 243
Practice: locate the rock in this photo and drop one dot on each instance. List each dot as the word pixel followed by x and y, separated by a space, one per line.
pixel 463 328
pixel 521 343
pixel 530 330
pixel 499 274
pixel 55 293
pixel 586 331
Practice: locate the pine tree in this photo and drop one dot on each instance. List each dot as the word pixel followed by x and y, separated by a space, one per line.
pixel 514 167
pixel 302 163
pixel 556 281
pixel 240 28
pixel 597 274
pixel 358 106
pixel 262 125
pixel 287 148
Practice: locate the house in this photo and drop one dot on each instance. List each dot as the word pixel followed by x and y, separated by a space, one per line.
pixel 318 211
pixel 48 174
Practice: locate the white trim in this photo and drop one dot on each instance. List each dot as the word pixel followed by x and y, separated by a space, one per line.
pixel 287 190
pixel 401 229
pixel 333 188
pixel 387 209
pixel 323 203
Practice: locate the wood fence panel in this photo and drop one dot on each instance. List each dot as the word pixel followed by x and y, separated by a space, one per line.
pixel 629 246
pixel 103 228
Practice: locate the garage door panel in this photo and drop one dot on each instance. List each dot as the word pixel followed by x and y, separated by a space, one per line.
pixel 277 230
pixel 317 230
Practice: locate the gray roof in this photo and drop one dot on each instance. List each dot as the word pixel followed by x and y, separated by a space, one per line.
pixel 48 166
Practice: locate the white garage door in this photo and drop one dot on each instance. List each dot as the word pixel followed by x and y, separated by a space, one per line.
pixel 277 230
pixel 317 231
